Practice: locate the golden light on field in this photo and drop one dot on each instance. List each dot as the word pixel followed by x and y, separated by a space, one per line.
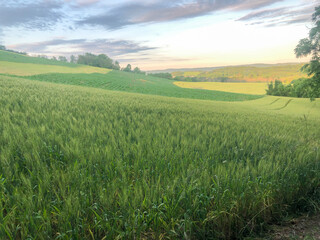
pixel 246 88
pixel 28 69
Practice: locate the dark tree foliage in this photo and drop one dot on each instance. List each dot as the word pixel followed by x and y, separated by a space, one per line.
pixel 138 70
pixel 301 88
pixel 310 46
pixel 128 68
pixel 73 59
pixel 101 60
pixel 63 59
pixel 116 65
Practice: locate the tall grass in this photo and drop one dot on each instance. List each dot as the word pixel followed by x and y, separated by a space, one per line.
pixel 84 163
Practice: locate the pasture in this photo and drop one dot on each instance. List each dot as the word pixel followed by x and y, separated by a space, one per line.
pixel 88 163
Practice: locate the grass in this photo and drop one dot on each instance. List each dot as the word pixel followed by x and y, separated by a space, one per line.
pixel 283 72
pixel 244 88
pixel 138 83
pixel 87 163
pixel 28 69
pixel 6 56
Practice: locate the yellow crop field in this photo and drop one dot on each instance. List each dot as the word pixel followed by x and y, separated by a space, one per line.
pixel 28 69
pixel 246 88
pixel 283 72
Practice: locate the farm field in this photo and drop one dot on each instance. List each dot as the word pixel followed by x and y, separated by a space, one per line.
pixel 138 83
pixel 28 69
pixel 74 74
pixel 159 120
pixel 245 88
pixel 283 72
pixel 81 162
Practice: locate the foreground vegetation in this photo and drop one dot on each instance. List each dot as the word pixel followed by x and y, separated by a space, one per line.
pixel 85 163
pixel 300 88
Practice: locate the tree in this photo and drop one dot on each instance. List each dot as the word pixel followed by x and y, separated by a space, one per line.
pixel 310 46
pixel 101 60
pixel 62 59
pixel 116 65
pixel 2 47
pixel 127 68
pixel 73 59
pixel 136 70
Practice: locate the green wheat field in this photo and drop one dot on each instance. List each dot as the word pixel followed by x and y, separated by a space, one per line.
pixel 113 155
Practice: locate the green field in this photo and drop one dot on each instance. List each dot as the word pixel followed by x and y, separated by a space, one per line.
pixel 101 156
pixel 138 83
pixel 245 88
pixel 265 73
pixel 74 74
pixel 6 56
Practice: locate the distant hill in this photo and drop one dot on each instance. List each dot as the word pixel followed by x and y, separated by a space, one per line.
pixel 249 73
pixel 206 69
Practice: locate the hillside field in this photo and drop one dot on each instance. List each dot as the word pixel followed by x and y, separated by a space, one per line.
pixel 245 88
pixel 283 72
pixel 74 74
pixel 127 156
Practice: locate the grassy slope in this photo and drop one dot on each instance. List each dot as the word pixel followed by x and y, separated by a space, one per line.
pixel 46 70
pixel 29 69
pixel 245 88
pixel 81 162
pixel 285 73
pixel 137 83
pixel 21 65
pixel 18 58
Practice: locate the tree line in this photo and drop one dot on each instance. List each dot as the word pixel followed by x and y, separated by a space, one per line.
pixel 101 61
pixel 90 59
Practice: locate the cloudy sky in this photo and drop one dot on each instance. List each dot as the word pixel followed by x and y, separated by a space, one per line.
pixel 159 34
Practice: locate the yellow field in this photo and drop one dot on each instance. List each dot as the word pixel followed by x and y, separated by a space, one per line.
pixel 28 69
pixel 246 88
pixel 283 72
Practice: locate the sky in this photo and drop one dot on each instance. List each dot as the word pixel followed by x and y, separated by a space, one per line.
pixel 159 34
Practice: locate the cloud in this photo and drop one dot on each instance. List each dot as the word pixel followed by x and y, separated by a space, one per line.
pixel 38 15
pixel 113 48
pixel 280 16
pixel 163 11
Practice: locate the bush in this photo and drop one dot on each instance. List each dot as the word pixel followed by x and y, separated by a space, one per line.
pixel 301 88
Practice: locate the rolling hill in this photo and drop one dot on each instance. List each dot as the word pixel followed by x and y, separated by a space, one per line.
pixel 256 73
pixel 124 156
pixel 74 74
